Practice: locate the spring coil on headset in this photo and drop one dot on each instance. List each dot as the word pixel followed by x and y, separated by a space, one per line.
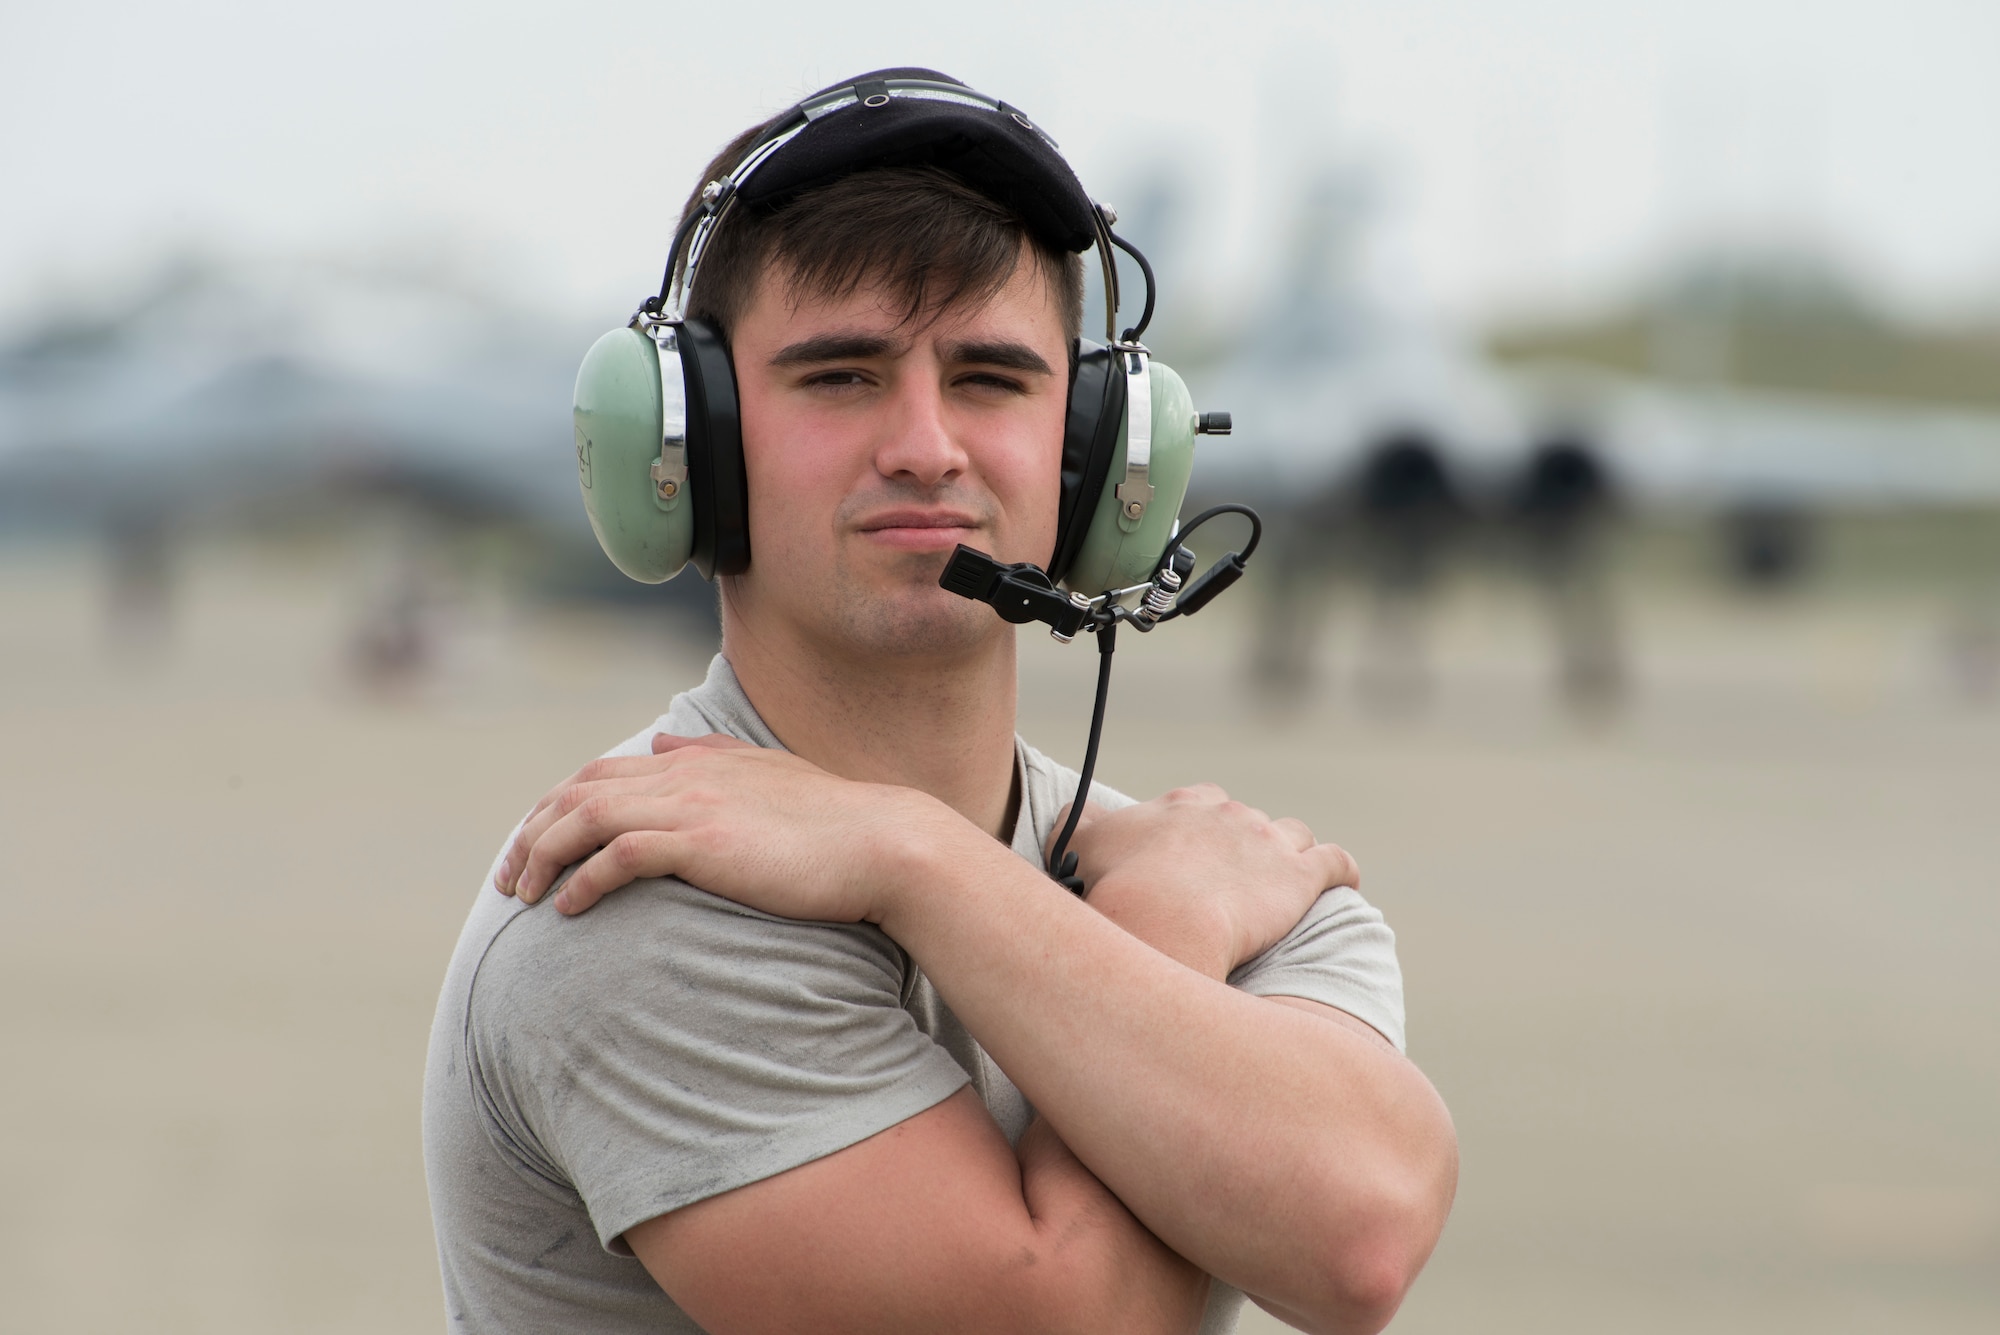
pixel 1159 599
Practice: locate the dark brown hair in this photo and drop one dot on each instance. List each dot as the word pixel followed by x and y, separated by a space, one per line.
pixel 928 238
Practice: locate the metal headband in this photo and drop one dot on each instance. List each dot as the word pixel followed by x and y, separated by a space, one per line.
pixel 662 313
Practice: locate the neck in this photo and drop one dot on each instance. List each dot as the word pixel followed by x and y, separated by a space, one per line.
pixel 944 726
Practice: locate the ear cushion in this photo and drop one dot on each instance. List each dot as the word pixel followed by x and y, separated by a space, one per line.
pixel 719 489
pixel 1090 437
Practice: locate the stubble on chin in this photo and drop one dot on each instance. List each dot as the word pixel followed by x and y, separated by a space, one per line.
pixel 901 613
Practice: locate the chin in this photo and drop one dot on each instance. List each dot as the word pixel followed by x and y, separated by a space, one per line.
pixel 919 622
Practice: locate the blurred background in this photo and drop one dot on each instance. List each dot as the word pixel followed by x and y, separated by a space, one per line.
pixel 1622 386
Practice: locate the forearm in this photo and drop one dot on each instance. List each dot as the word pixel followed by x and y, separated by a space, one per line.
pixel 1097 1268
pixel 933 1224
pixel 1277 1150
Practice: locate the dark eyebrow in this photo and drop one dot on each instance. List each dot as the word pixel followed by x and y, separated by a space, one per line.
pixel 1008 355
pixel 834 348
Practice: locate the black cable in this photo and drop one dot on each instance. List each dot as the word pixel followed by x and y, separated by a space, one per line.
pixel 659 303
pixel 1062 862
pixel 1146 315
pixel 1200 591
pixel 1213 511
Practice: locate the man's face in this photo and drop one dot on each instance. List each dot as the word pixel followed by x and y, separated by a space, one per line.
pixel 874 445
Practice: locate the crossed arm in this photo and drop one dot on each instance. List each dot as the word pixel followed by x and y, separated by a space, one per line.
pixel 1275 1143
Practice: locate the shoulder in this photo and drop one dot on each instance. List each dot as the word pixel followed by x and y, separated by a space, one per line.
pixel 1046 788
pixel 663 947
pixel 1043 778
pixel 1343 954
pixel 669 1045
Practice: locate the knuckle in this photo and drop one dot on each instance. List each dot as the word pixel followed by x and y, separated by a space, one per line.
pixel 1345 861
pixel 626 853
pixel 594 809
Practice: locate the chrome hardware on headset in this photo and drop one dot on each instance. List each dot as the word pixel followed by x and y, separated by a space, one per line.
pixel 670 471
pixel 1135 493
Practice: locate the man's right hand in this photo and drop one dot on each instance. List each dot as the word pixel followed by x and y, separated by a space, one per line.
pixel 1204 879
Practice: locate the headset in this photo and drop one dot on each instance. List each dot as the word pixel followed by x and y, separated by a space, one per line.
pixel 658 433
pixel 658 428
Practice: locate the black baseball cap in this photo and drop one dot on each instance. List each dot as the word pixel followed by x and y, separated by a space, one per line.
pixel 909 117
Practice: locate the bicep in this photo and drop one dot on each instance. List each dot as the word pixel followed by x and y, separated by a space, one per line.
pixel 921 1227
pixel 1352 1023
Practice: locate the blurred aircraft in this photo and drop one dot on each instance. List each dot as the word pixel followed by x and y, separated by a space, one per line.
pixel 1379 445
pixel 216 389
pixel 284 396
pixel 279 397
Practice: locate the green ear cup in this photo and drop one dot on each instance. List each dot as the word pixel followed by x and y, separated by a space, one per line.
pixel 1118 552
pixel 618 419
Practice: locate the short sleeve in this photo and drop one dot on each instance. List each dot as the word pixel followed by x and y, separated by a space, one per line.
pixel 1341 954
pixel 671 1045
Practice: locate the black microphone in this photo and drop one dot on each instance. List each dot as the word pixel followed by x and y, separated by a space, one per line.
pixel 1020 592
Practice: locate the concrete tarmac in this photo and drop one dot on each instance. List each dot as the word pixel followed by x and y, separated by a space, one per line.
pixel 1710 987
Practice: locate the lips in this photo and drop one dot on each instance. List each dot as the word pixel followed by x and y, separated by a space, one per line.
pixel 920 530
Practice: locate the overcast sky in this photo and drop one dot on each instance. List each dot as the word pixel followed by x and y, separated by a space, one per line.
pixel 1516 154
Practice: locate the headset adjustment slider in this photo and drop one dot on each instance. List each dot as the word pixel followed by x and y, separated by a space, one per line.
pixel 1135 493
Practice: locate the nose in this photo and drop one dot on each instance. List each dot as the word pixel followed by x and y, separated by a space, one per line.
pixel 918 442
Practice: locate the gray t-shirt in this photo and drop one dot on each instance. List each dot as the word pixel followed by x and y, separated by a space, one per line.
pixel 587 1074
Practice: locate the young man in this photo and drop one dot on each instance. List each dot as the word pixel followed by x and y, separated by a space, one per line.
pixel 879 1072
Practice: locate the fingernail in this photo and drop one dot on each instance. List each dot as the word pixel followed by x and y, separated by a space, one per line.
pixel 505 876
pixel 562 901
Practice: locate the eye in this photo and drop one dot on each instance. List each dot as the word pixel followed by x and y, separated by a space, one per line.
pixel 993 382
pixel 835 381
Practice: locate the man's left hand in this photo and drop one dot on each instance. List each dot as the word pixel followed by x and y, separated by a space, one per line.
pixel 1204 878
